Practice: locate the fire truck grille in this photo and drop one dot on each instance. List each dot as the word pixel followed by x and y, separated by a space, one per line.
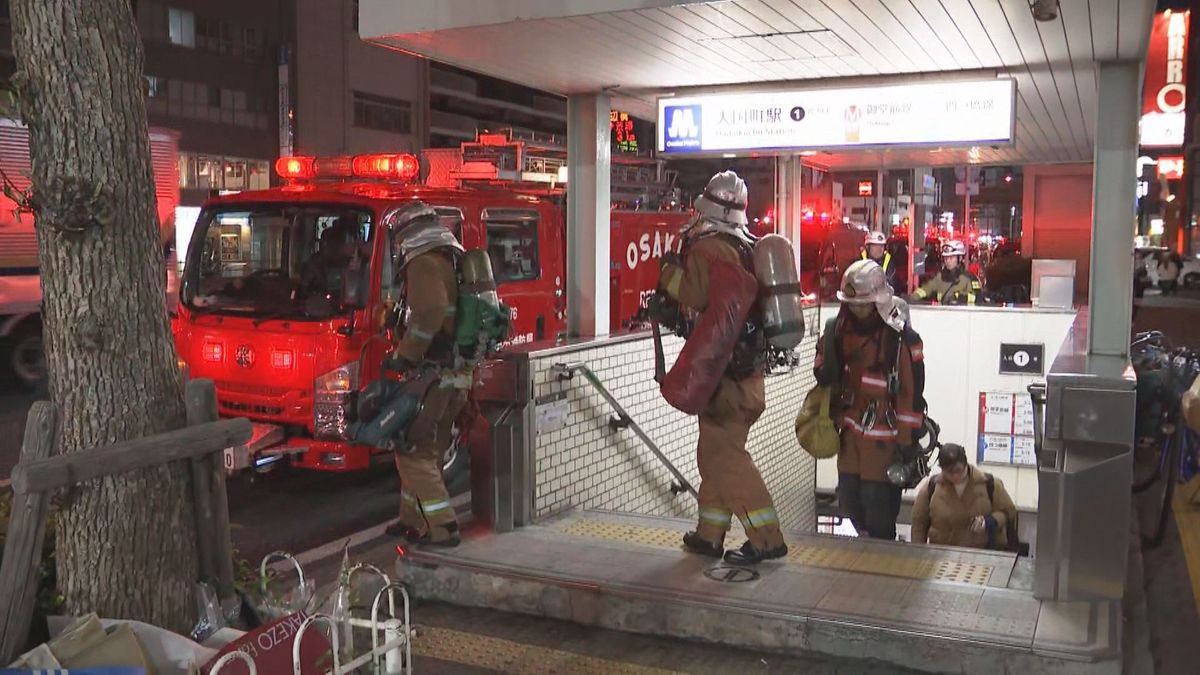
pixel 256 389
pixel 251 409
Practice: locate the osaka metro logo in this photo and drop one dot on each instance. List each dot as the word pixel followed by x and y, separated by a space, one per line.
pixel 683 127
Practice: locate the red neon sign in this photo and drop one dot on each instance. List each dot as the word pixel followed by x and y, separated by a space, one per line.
pixel 1164 93
pixel 865 188
pixel 1170 168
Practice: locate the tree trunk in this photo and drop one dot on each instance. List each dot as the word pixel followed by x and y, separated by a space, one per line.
pixel 126 544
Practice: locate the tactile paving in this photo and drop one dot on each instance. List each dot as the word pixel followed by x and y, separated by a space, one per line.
pixel 925 565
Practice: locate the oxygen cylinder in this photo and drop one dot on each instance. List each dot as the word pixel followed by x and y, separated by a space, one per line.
pixel 779 296
pixel 482 321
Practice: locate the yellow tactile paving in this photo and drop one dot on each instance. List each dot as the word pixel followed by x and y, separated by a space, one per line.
pixel 506 656
pixel 830 557
pixel 1187 518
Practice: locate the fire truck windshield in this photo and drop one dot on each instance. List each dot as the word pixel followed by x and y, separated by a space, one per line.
pixel 279 261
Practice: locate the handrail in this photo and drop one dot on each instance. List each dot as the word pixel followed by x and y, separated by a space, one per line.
pixel 565 371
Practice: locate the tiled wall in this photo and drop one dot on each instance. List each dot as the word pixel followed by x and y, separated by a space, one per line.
pixel 585 465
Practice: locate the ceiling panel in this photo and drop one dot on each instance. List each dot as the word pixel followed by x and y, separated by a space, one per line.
pixel 640 54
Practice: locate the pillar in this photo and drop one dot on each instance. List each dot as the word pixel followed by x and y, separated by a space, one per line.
pixel 790 211
pixel 1114 198
pixel 588 206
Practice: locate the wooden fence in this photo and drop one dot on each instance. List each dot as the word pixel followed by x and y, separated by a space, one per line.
pixel 41 471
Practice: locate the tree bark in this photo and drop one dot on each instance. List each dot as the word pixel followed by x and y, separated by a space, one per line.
pixel 126 544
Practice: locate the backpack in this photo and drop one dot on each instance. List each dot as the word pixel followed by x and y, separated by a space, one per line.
pixel 1010 527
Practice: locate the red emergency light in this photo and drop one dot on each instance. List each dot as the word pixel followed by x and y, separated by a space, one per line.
pixel 385 166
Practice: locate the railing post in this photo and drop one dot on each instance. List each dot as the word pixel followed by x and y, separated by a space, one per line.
pixel 213 543
pixel 26 534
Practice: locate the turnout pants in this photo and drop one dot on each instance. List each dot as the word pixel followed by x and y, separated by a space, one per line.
pixel 424 501
pixel 873 506
pixel 730 484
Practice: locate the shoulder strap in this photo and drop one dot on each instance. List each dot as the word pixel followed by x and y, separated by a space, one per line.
pixel 991 489
pixel 933 483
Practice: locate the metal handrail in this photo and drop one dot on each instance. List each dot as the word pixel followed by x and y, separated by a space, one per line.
pixel 566 371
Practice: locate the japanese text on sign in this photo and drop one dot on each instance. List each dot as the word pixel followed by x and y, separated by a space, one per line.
pixel 1005 429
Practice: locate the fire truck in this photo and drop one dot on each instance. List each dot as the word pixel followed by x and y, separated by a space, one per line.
pixel 21 356
pixel 287 324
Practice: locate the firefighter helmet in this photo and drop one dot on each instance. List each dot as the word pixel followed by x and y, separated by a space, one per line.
pixel 864 283
pixel 877 238
pixel 724 199
pixel 954 247
pixel 415 229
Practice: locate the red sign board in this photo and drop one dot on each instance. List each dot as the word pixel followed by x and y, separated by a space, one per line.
pixel 1170 168
pixel 865 188
pixel 1165 90
pixel 270 647
pixel 621 125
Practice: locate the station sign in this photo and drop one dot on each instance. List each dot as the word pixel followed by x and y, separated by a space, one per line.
pixel 953 113
pixel 1164 92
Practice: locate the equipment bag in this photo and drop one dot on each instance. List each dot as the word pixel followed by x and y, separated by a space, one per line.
pixel 690 384
pixel 386 408
pixel 815 430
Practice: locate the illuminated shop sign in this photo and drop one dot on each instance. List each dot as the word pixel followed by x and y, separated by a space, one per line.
pixel 1170 168
pixel 1165 91
pixel 935 113
pixel 623 137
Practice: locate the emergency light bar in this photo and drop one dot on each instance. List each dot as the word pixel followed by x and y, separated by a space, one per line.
pixel 385 166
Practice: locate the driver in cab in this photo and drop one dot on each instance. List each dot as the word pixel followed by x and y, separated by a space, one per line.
pixel 325 271
pixel 953 285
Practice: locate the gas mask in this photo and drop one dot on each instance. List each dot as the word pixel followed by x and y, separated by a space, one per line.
pixel 910 465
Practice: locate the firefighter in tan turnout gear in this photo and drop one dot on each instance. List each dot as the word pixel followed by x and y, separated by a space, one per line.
pixel 953 284
pixel 426 254
pixel 730 482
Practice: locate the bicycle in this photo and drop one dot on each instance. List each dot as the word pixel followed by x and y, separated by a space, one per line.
pixel 1164 373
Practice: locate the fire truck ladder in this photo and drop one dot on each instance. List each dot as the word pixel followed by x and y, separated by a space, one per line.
pixel 622 420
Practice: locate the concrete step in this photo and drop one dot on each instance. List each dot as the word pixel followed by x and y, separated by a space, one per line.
pixel 936 609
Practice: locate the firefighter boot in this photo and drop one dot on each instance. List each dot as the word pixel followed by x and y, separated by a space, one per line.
pixel 694 543
pixel 748 555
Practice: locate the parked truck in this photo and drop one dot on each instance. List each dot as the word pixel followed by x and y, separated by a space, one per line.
pixel 21 358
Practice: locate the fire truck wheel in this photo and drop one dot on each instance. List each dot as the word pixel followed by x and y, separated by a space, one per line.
pixel 456 461
pixel 23 358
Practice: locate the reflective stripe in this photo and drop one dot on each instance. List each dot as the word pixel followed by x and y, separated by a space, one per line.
pixel 760 518
pixel 920 293
pixel 451 310
pixel 918 353
pixel 876 432
pixel 970 298
pixel 431 507
pixel 718 517
pixel 909 419
pixel 867 380
pixel 419 334
pixel 408 498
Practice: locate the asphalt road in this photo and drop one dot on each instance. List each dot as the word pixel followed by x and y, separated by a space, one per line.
pixel 286 510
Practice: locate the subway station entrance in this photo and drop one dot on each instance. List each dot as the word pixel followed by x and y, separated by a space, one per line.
pixel 577 518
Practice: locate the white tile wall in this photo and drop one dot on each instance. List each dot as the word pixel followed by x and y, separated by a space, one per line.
pixel 584 465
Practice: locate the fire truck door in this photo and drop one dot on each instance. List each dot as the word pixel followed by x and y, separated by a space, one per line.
pixel 515 248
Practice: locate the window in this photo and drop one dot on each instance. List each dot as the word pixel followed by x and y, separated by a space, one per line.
pixel 382 114
pixel 252 43
pixel 156 87
pixel 181 27
pixel 512 239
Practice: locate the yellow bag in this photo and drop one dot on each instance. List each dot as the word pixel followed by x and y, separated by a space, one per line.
pixel 814 430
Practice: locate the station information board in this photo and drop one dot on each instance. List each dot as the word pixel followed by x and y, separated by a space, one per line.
pixel 952 113
pixel 1006 429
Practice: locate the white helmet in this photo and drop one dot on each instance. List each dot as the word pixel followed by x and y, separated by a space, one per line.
pixel 954 247
pixel 865 283
pixel 724 199
pixel 877 238
pixel 414 229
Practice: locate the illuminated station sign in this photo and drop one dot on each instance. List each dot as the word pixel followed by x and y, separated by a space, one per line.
pixel 1165 91
pixel 952 113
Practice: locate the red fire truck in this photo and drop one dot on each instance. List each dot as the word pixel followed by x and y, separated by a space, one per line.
pixel 287 324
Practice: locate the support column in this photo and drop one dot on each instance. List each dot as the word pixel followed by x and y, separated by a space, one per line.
pixel 1110 290
pixel 588 207
pixel 790 212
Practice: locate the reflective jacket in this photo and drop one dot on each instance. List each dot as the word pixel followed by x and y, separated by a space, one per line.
pixel 865 357
pixel 960 289
pixel 946 517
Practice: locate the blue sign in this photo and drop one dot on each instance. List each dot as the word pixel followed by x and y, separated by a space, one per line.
pixel 683 127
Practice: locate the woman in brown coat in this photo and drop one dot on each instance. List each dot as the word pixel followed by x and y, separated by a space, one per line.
pixel 954 507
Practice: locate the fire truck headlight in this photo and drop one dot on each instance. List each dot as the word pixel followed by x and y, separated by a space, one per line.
pixel 333 394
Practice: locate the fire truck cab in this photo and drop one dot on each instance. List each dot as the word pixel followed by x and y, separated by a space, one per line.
pixel 284 290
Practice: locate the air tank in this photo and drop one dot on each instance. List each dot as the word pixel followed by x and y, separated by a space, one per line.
pixel 779 295
pixel 483 322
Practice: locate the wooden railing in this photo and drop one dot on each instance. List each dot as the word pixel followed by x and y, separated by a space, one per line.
pixel 41 472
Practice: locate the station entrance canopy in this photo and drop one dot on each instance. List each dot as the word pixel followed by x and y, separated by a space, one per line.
pixel 642 52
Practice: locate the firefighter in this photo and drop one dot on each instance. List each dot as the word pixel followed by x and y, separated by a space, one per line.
pixel 876 399
pixel 731 484
pixel 953 285
pixel 426 254
pixel 875 249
